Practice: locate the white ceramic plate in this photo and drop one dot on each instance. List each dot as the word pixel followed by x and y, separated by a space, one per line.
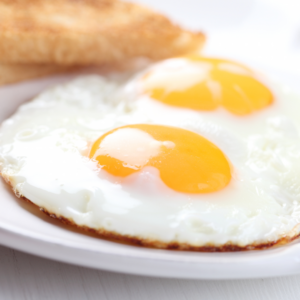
pixel 25 228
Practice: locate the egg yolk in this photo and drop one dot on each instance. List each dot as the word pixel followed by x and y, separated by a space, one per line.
pixel 201 83
pixel 187 162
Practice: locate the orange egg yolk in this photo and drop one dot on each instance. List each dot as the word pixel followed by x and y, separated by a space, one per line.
pixel 201 83
pixel 187 162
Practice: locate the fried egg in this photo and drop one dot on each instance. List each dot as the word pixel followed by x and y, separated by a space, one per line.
pixel 138 162
pixel 221 91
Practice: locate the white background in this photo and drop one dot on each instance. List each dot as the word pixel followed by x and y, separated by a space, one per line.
pixel 266 32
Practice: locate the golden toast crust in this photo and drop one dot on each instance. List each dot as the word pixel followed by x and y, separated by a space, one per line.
pixel 10 73
pixel 81 32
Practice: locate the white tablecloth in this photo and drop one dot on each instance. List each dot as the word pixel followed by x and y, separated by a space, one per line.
pixel 23 276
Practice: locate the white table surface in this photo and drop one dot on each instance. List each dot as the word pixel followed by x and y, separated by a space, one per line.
pixel 23 276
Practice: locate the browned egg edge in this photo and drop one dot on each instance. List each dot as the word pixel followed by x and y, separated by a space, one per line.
pixel 150 243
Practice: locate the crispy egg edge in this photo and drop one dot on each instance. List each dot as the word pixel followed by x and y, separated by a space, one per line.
pixel 149 243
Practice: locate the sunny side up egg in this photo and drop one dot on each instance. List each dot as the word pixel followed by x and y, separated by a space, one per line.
pixel 125 162
pixel 220 91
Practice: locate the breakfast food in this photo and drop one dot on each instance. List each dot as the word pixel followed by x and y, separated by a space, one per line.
pixel 218 82
pixel 67 32
pixel 127 159
pixel 217 91
pixel 10 73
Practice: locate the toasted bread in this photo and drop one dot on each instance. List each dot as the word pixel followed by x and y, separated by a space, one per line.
pixel 13 73
pixel 82 32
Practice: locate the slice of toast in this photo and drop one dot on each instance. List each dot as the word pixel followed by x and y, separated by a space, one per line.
pixel 82 32
pixel 14 73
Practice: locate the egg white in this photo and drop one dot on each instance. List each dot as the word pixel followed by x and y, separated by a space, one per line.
pixel 43 154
